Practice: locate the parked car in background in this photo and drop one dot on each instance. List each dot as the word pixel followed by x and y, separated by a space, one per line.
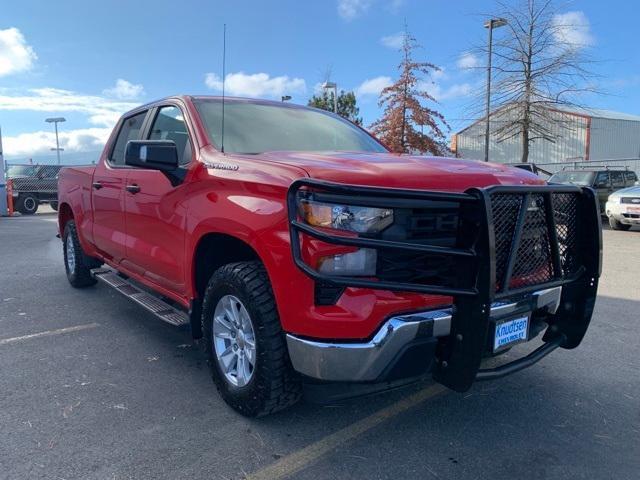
pixel 604 180
pixel 623 208
pixel 33 185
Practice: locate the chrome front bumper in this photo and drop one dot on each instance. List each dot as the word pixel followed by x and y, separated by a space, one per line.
pixel 362 362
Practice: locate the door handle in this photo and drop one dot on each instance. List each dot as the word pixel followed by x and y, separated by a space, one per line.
pixel 97 185
pixel 132 188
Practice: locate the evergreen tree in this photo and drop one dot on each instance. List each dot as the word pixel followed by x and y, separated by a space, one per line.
pixel 347 107
pixel 408 126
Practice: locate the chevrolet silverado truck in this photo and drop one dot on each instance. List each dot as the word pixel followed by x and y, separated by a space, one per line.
pixel 306 257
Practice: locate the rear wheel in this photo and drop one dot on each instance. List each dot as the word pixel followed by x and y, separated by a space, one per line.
pixel 245 343
pixel 77 265
pixel 27 204
pixel 616 225
pixel 54 205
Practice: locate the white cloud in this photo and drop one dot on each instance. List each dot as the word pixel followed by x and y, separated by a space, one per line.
pixel 468 61
pixel 573 29
pixel 256 84
pixel 15 54
pixel 124 90
pixel 440 93
pixel 350 9
pixel 41 142
pixel 394 41
pixel 101 111
pixel 373 86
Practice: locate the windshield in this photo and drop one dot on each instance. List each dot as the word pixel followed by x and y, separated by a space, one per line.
pixel 576 178
pixel 21 171
pixel 259 127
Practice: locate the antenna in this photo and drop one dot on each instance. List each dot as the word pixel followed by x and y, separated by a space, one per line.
pixel 224 75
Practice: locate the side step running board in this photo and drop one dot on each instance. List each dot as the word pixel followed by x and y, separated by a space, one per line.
pixel 149 302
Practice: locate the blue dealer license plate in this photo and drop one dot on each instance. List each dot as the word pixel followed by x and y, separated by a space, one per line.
pixel 509 332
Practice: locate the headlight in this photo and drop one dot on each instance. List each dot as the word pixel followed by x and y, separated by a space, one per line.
pixel 613 199
pixel 345 217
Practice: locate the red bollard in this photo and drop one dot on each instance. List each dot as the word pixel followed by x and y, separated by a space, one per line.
pixel 10 196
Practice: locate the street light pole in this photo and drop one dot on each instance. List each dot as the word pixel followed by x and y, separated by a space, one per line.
pixel 55 122
pixel 490 25
pixel 334 86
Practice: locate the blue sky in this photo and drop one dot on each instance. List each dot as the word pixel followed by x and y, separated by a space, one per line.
pixel 89 61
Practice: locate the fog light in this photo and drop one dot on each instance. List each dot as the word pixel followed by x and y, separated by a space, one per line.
pixel 361 262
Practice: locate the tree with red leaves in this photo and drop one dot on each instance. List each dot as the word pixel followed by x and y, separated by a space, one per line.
pixel 407 126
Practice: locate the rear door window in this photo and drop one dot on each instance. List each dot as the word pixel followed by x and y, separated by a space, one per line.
pixel 130 130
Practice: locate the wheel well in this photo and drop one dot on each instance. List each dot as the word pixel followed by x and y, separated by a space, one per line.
pixel 64 215
pixel 215 250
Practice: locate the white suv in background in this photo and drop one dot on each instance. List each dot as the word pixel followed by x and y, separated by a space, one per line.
pixel 623 208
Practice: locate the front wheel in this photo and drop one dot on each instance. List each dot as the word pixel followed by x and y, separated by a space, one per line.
pixel 54 206
pixel 245 343
pixel 616 225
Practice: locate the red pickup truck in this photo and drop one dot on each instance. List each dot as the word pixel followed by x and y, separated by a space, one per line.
pixel 307 257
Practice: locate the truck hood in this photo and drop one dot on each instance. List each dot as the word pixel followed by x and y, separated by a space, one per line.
pixel 403 171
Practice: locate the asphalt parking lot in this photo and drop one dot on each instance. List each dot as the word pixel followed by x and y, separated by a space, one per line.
pixel 91 387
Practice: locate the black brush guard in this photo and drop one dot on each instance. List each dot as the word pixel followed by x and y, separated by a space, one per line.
pixel 509 242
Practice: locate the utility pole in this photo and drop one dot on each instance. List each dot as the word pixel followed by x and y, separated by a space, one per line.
pixel 490 25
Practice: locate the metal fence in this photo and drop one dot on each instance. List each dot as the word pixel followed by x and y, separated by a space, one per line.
pixel 29 185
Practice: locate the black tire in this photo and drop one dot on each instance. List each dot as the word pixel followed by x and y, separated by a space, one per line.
pixel 79 270
pixel 54 206
pixel 274 385
pixel 27 203
pixel 616 225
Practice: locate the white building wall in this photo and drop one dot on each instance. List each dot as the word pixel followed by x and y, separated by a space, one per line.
pixel 612 138
pixel 571 144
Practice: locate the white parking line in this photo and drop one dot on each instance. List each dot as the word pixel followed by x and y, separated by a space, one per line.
pixel 49 333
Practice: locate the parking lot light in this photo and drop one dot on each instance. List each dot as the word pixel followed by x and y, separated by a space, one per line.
pixel 334 87
pixel 55 121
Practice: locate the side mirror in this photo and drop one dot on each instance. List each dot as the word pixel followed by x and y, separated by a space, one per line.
pixel 152 154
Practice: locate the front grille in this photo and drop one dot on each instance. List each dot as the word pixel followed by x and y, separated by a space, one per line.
pixel 440 226
pixel 533 263
pixel 415 267
pixel 437 226
pixel 635 200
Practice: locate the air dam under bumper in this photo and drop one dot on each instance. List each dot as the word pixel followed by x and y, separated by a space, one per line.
pixel 366 362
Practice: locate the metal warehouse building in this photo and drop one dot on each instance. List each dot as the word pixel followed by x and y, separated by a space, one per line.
pixel 583 135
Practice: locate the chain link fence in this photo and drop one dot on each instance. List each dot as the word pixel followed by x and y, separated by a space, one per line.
pixel 30 184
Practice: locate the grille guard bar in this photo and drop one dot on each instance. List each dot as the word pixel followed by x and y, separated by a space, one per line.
pixel 476 285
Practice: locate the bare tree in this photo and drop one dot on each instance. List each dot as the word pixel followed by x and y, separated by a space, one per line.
pixel 540 67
